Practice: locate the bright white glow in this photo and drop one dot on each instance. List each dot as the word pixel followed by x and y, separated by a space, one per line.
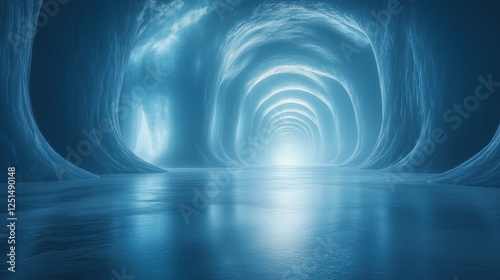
pixel 289 154
pixel 150 143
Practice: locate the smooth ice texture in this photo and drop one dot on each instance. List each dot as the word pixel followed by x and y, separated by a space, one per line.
pixel 283 223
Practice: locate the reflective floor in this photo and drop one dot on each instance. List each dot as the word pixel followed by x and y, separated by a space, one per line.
pixel 294 223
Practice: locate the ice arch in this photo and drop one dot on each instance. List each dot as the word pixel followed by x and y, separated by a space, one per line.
pixel 271 68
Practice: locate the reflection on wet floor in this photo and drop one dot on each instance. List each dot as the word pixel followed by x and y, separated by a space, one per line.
pixel 293 223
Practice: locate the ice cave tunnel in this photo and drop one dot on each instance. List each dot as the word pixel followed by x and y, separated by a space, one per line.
pixel 219 139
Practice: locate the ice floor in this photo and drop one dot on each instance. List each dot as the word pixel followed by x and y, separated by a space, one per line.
pixel 295 223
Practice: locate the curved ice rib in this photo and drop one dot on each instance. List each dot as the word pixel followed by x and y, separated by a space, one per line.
pixel 483 169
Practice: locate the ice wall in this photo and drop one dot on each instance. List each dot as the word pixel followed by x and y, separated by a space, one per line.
pixel 118 87
pixel 21 143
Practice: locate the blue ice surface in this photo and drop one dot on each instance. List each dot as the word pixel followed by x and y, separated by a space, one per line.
pixel 263 223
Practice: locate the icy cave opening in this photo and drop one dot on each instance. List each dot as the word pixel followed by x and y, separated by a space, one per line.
pixel 272 139
pixel 209 92
pixel 289 94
